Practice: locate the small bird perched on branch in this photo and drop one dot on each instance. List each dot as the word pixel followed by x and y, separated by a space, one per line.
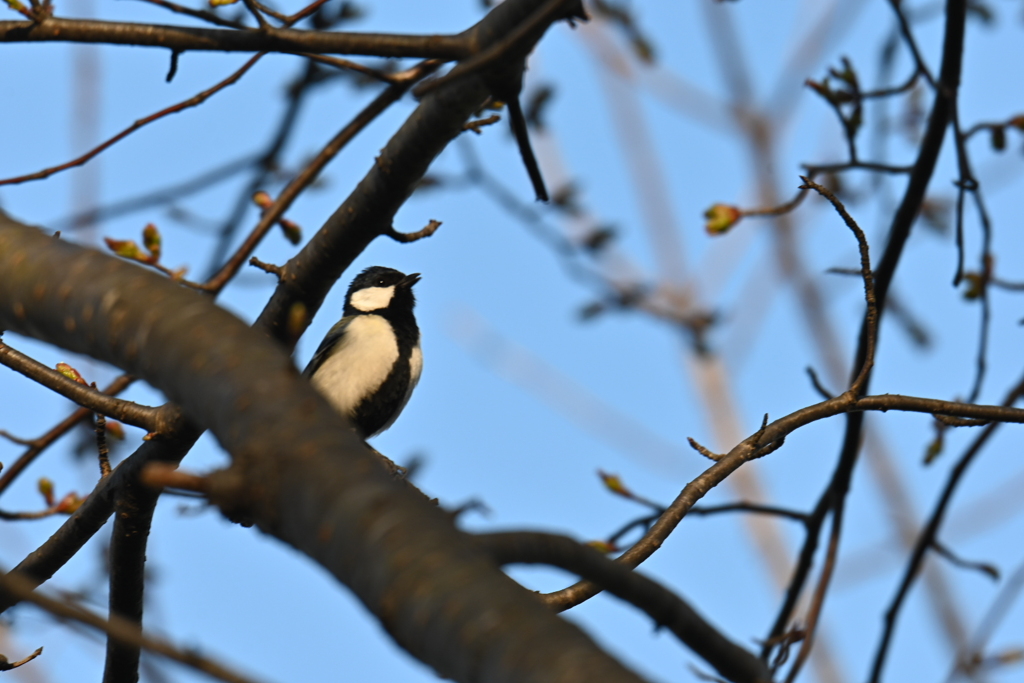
pixel 370 361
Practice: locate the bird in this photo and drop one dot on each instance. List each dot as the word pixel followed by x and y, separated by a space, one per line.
pixel 370 361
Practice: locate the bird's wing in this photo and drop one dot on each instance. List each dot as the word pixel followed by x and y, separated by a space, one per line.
pixel 323 352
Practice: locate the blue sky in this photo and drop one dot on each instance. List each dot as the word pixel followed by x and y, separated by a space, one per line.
pixel 521 402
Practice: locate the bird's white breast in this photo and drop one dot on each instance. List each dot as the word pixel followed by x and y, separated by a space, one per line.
pixel 415 369
pixel 359 365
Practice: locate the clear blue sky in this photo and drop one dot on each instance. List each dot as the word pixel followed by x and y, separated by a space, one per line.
pixel 521 402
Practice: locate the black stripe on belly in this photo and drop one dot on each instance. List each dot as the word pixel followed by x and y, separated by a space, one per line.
pixel 373 414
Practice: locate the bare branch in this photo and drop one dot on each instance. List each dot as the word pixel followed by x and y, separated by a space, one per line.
pixel 146 417
pixel 119 629
pixel 227 40
pixel 406 237
pixel 312 170
pixel 174 109
pixel 665 607
pixel 40 444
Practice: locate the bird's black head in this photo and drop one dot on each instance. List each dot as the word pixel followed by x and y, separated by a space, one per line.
pixel 378 288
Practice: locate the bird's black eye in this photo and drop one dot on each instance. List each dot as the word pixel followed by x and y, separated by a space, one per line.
pixel 380 282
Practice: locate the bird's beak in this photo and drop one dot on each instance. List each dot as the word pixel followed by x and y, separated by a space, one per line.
pixel 409 280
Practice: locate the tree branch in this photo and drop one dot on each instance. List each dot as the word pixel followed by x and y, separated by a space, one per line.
pixel 328 468
pixel 118 629
pixel 148 418
pixel 834 495
pixel 927 538
pixel 270 39
pixel 665 607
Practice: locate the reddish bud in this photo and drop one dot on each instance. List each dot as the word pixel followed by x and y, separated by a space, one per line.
pixel 721 218
pixel 975 286
pixel 69 503
pixel 602 546
pixel 70 373
pixel 125 249
pixel 46 488
pixel 292 232
pixel 614 484
pixel 152 241
pixel 262 200
pixel 115 429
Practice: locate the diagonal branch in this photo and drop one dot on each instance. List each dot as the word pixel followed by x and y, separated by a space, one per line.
pixel 665 607
pixel 329 498
pixel 193 101
pixel 118 629
pixel 926 539
pixel 38 445
pixel 834 495
pixel 146 417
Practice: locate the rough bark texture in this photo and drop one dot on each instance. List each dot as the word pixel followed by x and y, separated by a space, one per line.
pixel 298 470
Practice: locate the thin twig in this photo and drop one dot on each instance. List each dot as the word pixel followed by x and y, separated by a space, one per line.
pixel 349 65
pixel 476 124
pixel 818 386
pixel 755 508
pixel 40 444
pixel 148 418
pixel 778 210
pixel 7 666
pixel 959 421
pixel 101 444
pixel 266 267
pixel 908 38
pixel 174 109
pixel 118 628
pixel 288 195
pixel 985 568
pixel 870 166
pixel 197 13
pixel 871 316
pixel 926 539
pixel 407 237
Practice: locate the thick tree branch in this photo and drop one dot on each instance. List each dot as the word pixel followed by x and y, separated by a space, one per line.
pixel 300 473
pixel 369 211
pixel 437 120
pixel 665 607
pixel 134 509
pixel 89 518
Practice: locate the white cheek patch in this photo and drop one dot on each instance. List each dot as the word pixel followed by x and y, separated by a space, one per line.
pixel 372 298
